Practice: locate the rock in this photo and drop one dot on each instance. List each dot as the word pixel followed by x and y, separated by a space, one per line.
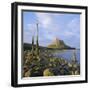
pixel 48 72
pixel 27 74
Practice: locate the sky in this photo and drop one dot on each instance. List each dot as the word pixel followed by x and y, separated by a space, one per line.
pixel 64 26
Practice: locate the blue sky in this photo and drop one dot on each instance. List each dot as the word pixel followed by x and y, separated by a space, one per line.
pixel 64 26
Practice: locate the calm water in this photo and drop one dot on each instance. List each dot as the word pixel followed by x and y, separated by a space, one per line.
pixel 67 54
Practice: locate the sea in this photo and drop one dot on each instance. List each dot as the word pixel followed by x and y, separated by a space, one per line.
pixel 67 54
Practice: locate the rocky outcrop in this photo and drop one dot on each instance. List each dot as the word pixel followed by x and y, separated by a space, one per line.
pixel 56 43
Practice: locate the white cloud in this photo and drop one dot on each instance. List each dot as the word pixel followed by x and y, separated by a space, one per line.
pixel 44 19
pixel 68 33
pixel 74 25
pixel 47 22
pixel 31 28
pixel 28 32
pixel 73 28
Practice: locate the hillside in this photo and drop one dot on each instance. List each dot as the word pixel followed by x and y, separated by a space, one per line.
pixel 56 44
pixel 29 46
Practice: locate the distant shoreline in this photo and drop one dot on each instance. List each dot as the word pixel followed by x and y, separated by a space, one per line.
pixel 28 46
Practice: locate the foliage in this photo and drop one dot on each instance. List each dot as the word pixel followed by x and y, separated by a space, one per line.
pixel 45 64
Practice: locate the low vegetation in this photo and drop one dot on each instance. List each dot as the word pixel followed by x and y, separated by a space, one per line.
pixel 45 64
